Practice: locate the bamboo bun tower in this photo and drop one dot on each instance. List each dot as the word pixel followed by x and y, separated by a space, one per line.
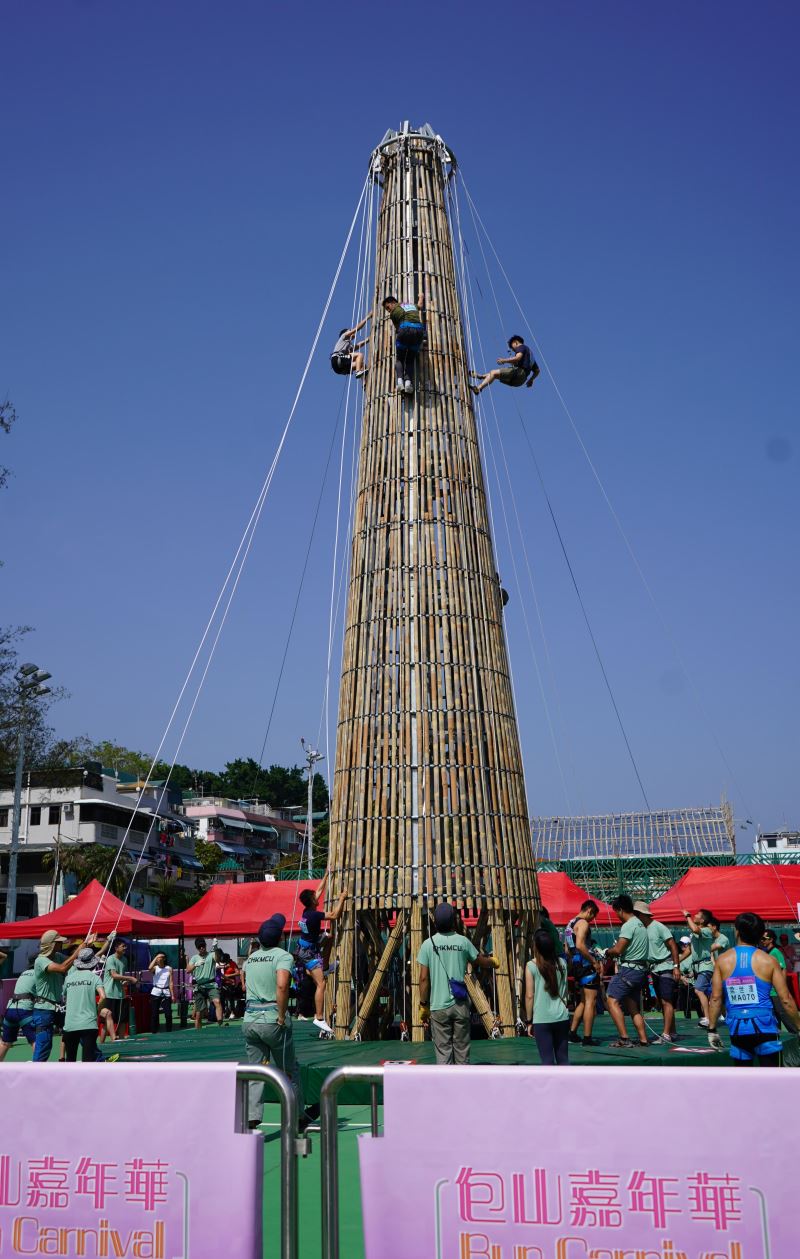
pixel 428 796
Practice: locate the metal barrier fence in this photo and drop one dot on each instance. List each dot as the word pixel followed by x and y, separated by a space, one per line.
pixel 290 1145
pixel 329 1104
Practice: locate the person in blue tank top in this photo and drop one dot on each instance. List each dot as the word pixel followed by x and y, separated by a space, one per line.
pixel 744 978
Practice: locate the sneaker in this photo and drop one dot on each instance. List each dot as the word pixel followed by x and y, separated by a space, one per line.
pixel 231 1017
pixel 112 1058
pixel 363 372
pixel 668 1038
pixel 590 1040
pixel 574 1038
pixel 409 387
pixel 322 1025
pixel 401 385
pixel 703 1023
pixel 474 389
pixel 721 1018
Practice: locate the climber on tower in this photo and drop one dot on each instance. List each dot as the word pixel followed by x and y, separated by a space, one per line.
pixel 409 333
pixel 518 370
pixel 346 356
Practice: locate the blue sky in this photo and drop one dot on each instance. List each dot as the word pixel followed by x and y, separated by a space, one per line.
pixel 178 184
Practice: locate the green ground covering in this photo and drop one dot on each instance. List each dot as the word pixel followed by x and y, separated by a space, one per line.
pixel 318 1058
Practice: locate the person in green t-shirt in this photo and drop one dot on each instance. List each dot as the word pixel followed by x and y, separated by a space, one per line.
pixel 443 960
pixel 81 990
pixel 769 943
pixel 203 970
pixel 267 1028
pixel 49 970
pixel 625 990
pixel 113 1007
pixel 546 1001
pixel 18 1016
pixel 702 939
pixel 664 967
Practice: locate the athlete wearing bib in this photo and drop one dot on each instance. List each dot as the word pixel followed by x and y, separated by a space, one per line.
pixel 744 978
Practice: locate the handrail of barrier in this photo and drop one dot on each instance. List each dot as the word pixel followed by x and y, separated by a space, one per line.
pixel 289 1117
pixel 329 1105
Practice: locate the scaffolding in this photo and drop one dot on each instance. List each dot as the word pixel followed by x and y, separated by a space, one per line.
pixel 643 854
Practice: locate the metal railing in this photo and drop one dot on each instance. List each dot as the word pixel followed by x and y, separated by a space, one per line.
pixel 290 1146
pixel 329 1105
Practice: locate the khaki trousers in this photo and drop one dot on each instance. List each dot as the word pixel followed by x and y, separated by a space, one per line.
pixel 270 1042
pixel 450 1030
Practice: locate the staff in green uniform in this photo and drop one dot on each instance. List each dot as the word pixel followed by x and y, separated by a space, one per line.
pixel 112 1007
pixel 267 974
pixel 48 984
pixel 203 969
pixel 664 967
pixel 702 941
pixel 443 960
pixel 625 990
pixel 81 990
pixel 18 1016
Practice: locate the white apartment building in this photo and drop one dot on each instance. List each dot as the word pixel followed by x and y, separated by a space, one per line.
pixel 91 806
pixel 774 842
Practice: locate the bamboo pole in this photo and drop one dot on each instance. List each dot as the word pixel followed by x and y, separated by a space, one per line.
pixel 428 795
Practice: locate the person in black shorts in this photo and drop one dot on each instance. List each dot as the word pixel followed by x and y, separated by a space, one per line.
pixel 521 368
pixel 346 356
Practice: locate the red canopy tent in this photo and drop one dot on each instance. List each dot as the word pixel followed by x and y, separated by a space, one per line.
pixel 238 909
pixel 564 898
pixel 770 890
pixel 76 917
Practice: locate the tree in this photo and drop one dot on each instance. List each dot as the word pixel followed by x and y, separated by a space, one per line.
pixel 95 861
pixel 38 734
pixel 7 418
pixel 209 855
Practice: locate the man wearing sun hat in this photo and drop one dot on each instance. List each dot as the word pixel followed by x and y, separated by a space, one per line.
pixel 664 966
pixel 81 989
pixel 48 984
pixel 267 1028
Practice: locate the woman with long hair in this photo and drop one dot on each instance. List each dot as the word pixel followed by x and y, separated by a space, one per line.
pixel 546 1001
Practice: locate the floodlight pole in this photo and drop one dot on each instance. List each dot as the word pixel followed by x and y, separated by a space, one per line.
pixel 29 679
pixel 312 756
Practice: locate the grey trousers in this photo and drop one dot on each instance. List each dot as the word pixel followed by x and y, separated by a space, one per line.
pixel 267 1042
pixel 450 1030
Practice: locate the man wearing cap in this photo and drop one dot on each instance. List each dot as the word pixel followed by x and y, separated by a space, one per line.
pixel 443 960
pixel 267 974
pixel 18 1016
pixel 112 1005
pixel 625 990
pixel 48 983
pixel 81 989
pixel 513 371
pixel 664 966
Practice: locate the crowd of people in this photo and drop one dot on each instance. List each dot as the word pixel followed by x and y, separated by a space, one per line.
pixel 567 982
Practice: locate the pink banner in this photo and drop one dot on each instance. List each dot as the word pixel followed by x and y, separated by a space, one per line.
pixel 136 1161
pixel 582 1163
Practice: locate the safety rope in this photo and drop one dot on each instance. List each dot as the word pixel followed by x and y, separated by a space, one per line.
pixel 614 515
pixel 230 584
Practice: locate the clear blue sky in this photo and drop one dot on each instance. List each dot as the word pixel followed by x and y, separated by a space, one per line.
pixel 178 180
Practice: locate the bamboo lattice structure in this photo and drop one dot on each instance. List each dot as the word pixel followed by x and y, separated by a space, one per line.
pixel 428 797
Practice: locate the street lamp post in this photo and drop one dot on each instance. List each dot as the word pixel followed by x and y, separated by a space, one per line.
pixel 29 679
pixel 312 757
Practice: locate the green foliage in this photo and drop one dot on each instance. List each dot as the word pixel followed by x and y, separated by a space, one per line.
pixel 94 861
pixel 39 742
pixel 7 418
pixel 209 855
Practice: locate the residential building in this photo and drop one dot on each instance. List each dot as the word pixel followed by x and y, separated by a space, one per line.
pixel 778 843
pixel 92 805
pixel 255 835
